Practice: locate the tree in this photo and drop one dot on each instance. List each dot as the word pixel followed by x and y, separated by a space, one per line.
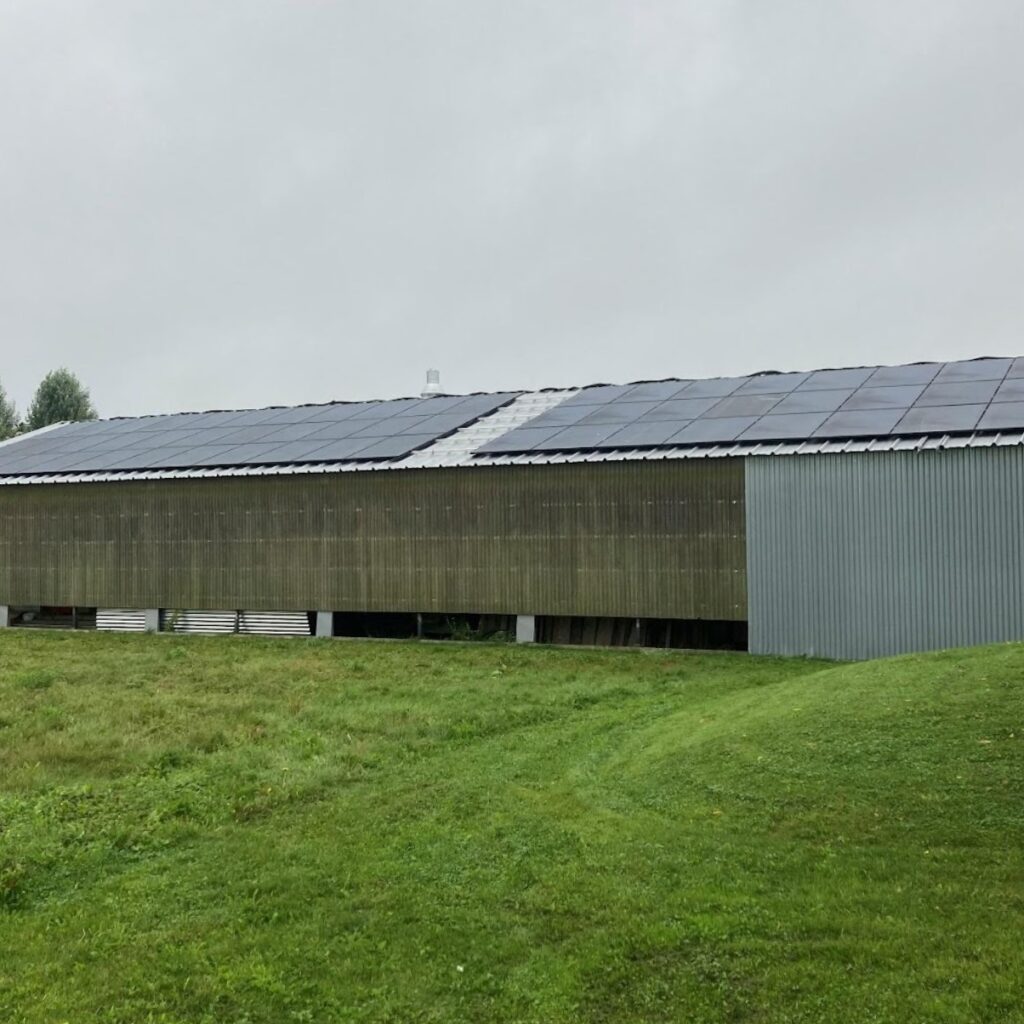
pixel 59 397
pixel 8 416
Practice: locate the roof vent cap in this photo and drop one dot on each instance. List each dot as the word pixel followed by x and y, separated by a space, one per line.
pixel 433 385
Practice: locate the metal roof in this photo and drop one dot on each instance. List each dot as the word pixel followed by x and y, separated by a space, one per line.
pixel 486 430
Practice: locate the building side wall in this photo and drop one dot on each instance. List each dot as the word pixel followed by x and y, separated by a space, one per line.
pixel 654 539
pixel 864 555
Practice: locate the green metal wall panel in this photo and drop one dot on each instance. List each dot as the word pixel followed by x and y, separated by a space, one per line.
pixel 658 539
pixel 861 555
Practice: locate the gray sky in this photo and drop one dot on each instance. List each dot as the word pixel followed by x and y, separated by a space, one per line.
pixel 251 202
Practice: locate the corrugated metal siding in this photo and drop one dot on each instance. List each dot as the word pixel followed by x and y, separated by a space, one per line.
pixel 859 556
pixel 659 540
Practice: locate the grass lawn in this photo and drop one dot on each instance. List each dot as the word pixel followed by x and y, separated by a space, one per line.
pixel 233 830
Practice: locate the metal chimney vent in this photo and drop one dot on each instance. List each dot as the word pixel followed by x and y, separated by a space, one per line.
pixel 433 385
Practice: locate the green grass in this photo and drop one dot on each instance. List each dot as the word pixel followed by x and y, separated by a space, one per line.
pixel 236 830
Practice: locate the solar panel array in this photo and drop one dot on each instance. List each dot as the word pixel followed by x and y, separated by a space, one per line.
pixel 873 401
pixel 309 433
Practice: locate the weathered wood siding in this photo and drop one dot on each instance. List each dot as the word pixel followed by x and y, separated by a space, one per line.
pixel 658 539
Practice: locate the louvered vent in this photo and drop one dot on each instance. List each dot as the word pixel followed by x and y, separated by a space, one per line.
pixel 121 620
pixel 246 623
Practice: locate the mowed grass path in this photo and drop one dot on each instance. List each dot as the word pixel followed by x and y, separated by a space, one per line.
pixel 234 830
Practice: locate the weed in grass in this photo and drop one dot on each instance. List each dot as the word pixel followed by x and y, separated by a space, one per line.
pixel 36 679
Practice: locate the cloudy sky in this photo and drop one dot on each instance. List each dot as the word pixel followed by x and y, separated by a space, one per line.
pixel 251 202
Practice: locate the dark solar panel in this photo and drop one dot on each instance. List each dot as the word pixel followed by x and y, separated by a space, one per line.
pixel 772 383
pixel 778 428
pixel 1003 416
pixel 564 415
pixel 620 412
pixel 601 395
pixel 577 437
pixel 713 431
pixel 657 391
pixel 522 439
pixel 641 435
pixel 812 401
pixel 716 387
pixel 743 405
pixel 862 423
pixel 311 433
pixel 961 393
pixel 920 398
pixel 936 418
pixel 679 409
pixel 974 369
pixel 829 380
pixel 1010 391
pixel 896 397
pixel 914 373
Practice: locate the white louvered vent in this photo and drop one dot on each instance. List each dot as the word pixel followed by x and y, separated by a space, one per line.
pixel 274 623
pixel 185 621
pixel 246 623
pixel 121 620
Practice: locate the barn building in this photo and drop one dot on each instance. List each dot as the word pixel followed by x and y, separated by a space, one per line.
pixel 845 513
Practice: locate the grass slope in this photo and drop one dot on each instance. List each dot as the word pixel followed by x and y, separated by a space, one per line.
pixel 237 830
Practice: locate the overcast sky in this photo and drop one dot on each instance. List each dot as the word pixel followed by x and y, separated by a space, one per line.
pixel 252 202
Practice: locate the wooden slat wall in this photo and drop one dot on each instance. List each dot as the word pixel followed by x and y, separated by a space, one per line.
pixel 651 539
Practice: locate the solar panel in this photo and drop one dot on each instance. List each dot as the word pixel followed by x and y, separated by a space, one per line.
pixel 828 380
pixel 602 394
pixel 679 409
pixel 716 387
pixel 564 415
pixel 1010 391
pixel 577 437
pixel 914 373
pixel 931 419
pixel 895 397
pixel 310 433
pixel 641 435
pixel 1003 416
pixel 622 412
pixel 392 447
pixel 974 369
pixel 961 393
pixel 812 401
pixel 658 391
pixel 778 428
pixel 713 431
pixel 743 405
pixel 772 383
pixel 859 423
pixel 522 439
pixel 919 398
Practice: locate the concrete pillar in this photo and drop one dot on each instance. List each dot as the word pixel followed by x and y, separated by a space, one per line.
pixel 152 620
pixel 325 623
pixel 526 629
pixel 5 616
